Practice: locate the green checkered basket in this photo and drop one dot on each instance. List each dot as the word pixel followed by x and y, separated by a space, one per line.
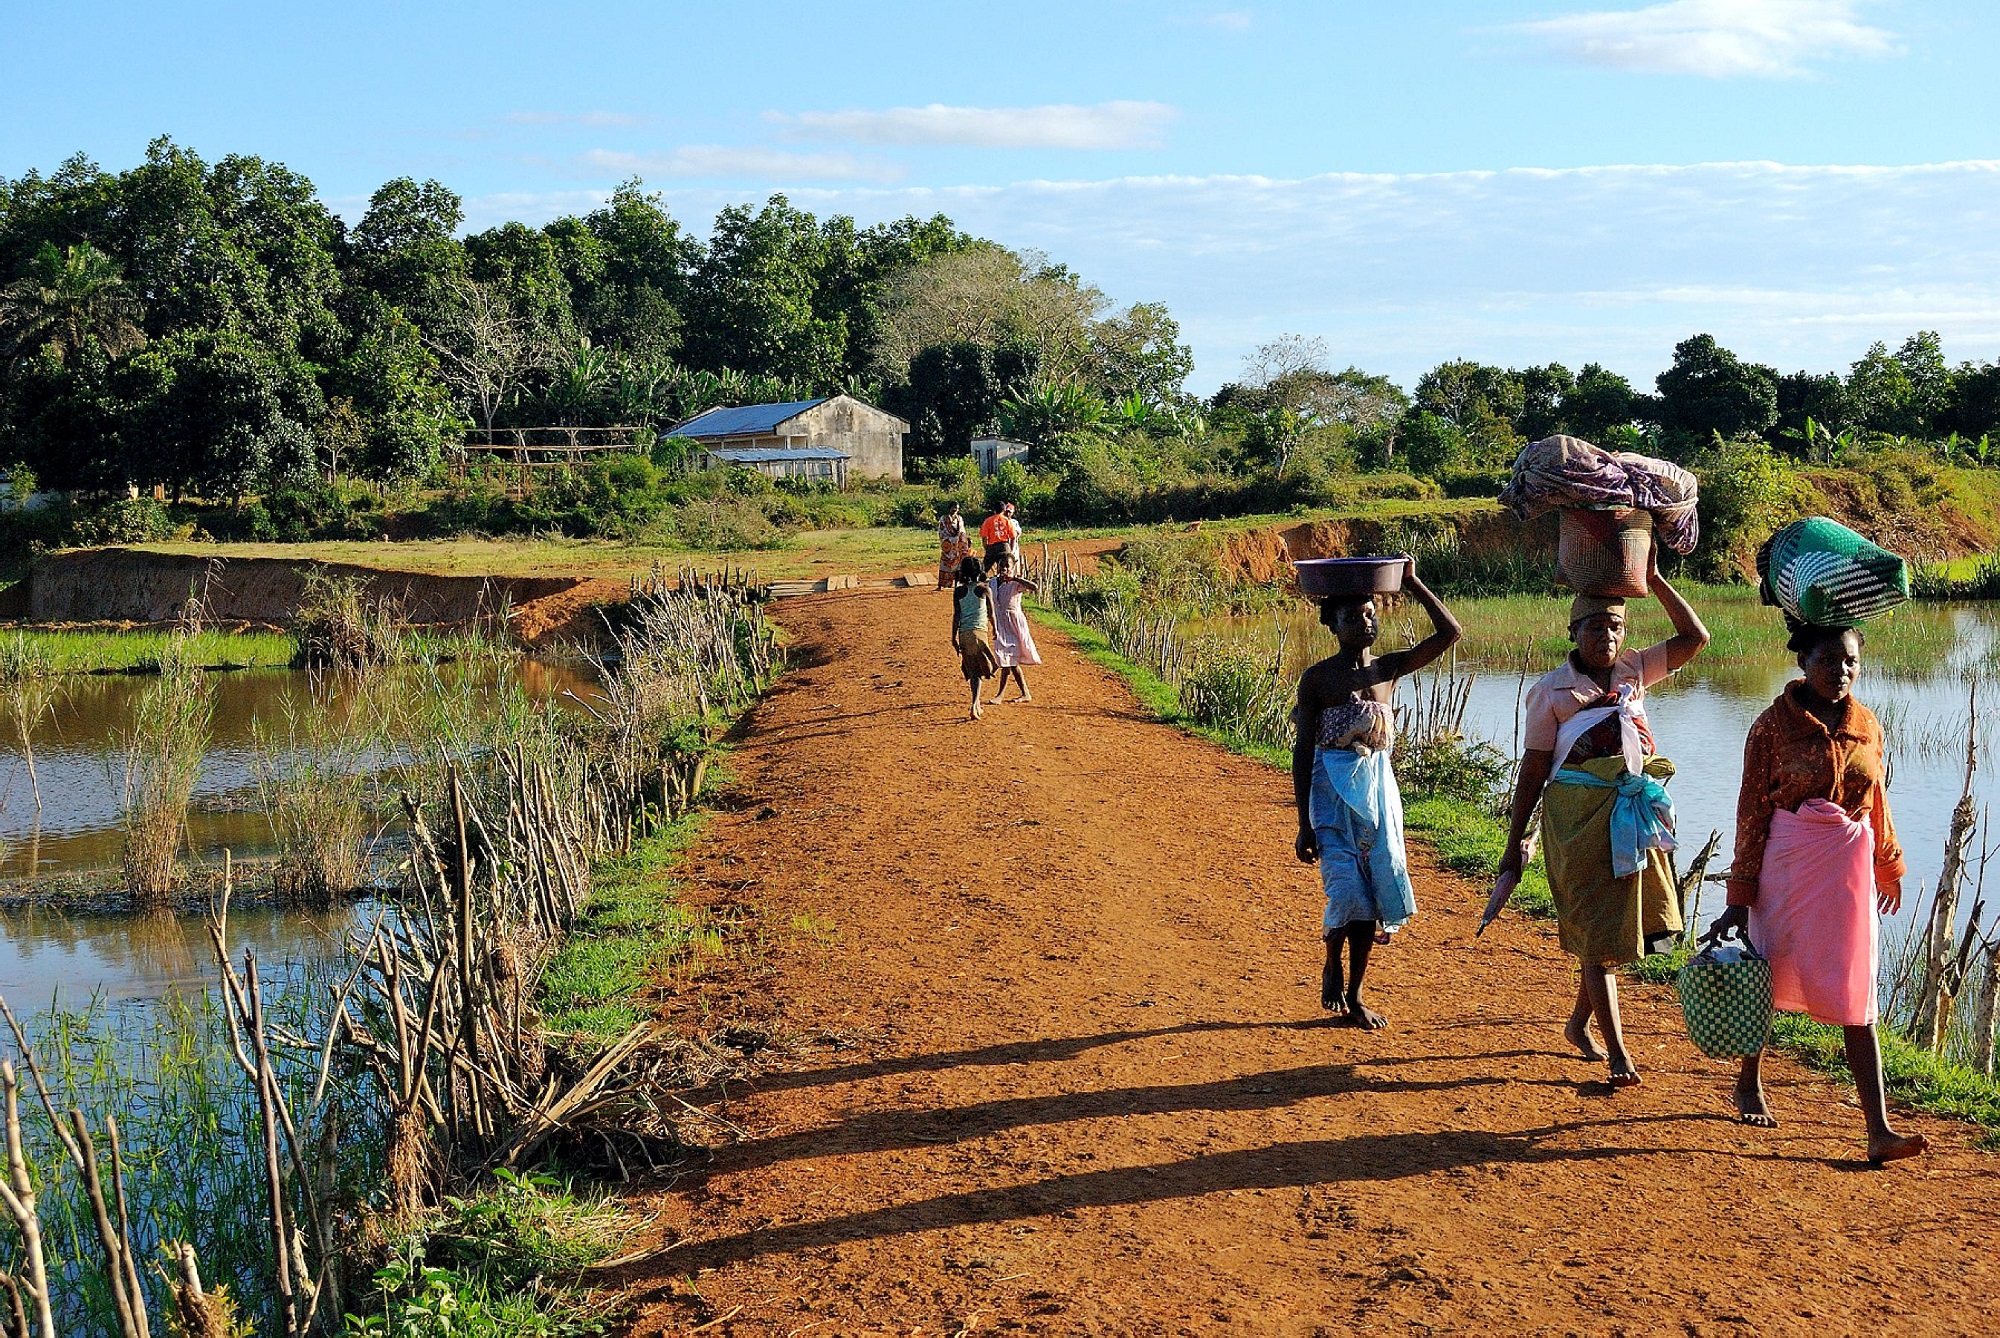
pixel 1727 1004
pixel 1820 572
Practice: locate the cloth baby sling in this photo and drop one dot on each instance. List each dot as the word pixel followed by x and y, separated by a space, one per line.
pixel 1607 828
pixel 1357 815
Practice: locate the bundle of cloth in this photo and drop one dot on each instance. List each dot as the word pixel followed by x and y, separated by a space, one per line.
pixel 1558 472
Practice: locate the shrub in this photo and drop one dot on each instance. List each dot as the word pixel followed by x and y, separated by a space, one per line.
pixel 720 524
pixel 1747 491
pixel 129 520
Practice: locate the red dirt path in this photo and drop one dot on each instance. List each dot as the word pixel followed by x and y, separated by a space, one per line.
pixel 1058 1067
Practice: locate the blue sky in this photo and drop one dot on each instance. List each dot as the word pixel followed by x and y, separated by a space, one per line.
pixel 1568 179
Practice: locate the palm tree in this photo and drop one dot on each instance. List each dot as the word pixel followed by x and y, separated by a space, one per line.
pixel 66 297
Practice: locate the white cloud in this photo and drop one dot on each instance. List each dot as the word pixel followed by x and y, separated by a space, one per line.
pixel 1104 125
pixel 727 160
pixel 590 118
pixel 1796 266
pixel 1716 38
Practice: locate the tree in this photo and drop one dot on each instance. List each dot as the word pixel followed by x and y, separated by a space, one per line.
pixel 1906 393
pixel 1975 399
pixel 1431 442
pixel 1544 393
pixel 989 295
pixel 1599 402
pixel 395 384
pixel 406 246
pixel 1709 391
pixel 1809 405
pixel 216 413
pixel 628 265
pixel 956 390
pixel 484 347
pixel 1138 352
pixel 1481 402
pixel 67 297
pixel 753 298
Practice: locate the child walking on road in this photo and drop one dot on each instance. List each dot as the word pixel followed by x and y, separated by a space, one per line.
pixel 971 615
pixel 1350 812
pixel 1013 639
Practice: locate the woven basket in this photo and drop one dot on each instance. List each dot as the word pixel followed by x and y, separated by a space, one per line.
pixel 1726 1005
pixel 1604 552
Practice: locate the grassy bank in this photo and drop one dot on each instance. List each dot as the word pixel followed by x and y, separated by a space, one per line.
pixel 1469 840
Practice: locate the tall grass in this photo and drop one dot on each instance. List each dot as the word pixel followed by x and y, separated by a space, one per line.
pixel 161 752
pixel 140 651
pixel 29 691
pixel 316 784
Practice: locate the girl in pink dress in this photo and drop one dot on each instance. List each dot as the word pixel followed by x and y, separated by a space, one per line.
pixel 1013 641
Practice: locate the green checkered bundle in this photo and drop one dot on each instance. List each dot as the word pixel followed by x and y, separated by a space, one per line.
pixel 1820 572
pixel 1726 1004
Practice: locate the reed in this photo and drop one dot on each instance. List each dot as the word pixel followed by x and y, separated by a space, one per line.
pixel 29 692
pixel 315 781
pixel 161 753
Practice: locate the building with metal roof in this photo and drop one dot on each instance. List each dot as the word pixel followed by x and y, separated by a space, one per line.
pixel 870 439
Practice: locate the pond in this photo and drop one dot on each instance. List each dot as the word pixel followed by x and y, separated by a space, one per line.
pixel 78 766
pixel 1917 672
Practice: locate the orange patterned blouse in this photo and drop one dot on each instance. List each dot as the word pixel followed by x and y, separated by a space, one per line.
pixel 1791 757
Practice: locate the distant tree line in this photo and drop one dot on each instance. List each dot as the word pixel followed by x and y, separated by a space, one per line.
pixel 215 329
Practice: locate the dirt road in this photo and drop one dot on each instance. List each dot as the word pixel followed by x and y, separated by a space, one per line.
pixel 1050 982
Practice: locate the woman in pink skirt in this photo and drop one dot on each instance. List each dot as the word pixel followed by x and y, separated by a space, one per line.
pixel 1816 859
pixel 1013 641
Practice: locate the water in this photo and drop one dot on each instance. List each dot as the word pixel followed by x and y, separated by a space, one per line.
pixel 1915 677
pixel 128 960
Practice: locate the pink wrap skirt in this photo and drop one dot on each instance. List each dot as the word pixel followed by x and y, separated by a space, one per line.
pixel 1815 914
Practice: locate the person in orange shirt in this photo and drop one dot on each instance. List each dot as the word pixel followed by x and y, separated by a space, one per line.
pixel 1816 859
pixel 1002 534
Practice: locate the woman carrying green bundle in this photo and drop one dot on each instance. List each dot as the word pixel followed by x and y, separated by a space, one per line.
pixel 1590 763
pixel 1816 859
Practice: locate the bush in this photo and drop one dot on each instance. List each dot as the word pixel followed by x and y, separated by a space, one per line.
pixel 1747 491
pixel 129 520
pixel 720 524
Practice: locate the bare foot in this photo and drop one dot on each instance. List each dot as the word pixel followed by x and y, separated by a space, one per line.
pixel 1751 1109
pixel 1330 997
pixel 1623 1074
pixel 1364 1017
pixel 975 710
pixel 1896 1147
pixel 1025 697
pixel 1577 1033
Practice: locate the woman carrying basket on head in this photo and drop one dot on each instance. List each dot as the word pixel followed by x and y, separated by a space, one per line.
pixel 954 546
pixel 1589 761
pixel 1816 858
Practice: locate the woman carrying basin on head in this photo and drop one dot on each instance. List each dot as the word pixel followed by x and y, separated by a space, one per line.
pixel 1589 760
pixel 1350 813
pixel 1816 858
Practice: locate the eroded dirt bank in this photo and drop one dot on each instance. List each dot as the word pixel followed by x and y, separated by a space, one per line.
pixel 1046 995
pixel 126 585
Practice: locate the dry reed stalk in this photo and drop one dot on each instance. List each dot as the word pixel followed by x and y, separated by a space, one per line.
pixel 29 691
pixel 314 784
pixel 1938 964
pixel 18 1194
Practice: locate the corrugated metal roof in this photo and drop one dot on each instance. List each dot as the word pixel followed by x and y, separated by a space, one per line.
pixel 753 455
pixel 748 420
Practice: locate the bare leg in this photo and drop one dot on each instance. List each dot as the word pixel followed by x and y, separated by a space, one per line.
pixel 1022 684
pixel 1360 938
pixel 1864 1060
pixel 1751 1107
pixel 1332 990
pixel 1602 984
pixel 975 698
pixel 1577 1030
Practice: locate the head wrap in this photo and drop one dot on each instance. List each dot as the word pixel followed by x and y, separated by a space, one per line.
pixel 1589 606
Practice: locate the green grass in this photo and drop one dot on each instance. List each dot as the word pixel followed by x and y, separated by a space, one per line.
pixel 1470 841
pixel 138 652
pixel 633 929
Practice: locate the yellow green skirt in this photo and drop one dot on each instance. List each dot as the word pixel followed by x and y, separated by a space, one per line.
pixel 1601 918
